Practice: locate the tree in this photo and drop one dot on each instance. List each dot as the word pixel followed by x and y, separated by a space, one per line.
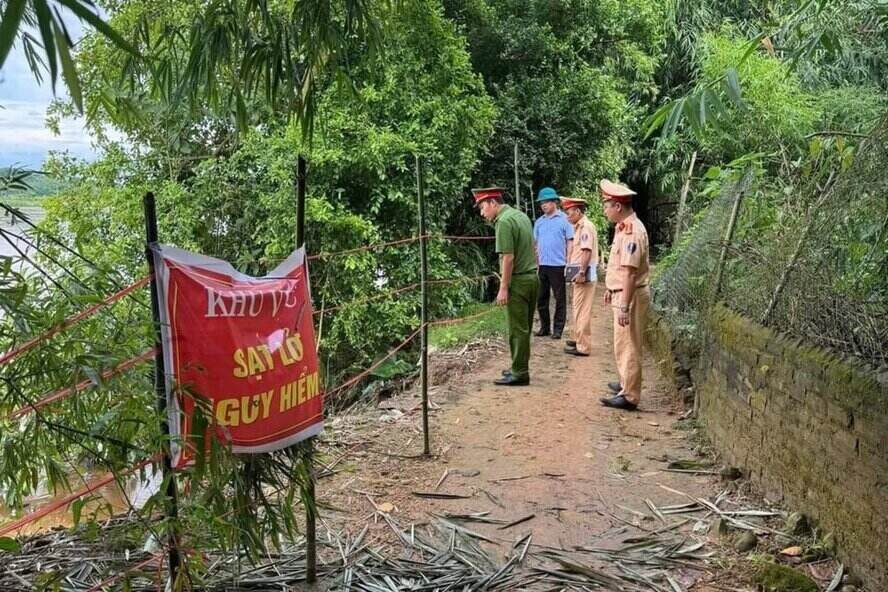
pixel 249 47
pixel 792 92
pixel 739 81
pixel 568 79
pixel 55 47
pixel 822 41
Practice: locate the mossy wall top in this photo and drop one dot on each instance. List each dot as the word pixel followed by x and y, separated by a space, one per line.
pixel 807 425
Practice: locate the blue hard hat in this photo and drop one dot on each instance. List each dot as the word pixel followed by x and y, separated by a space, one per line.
pixel 547 194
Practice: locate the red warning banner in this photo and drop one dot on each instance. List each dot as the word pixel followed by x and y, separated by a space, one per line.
pixel 244 346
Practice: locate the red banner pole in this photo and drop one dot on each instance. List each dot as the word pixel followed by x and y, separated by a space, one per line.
pixel 311 557
pixel 172 494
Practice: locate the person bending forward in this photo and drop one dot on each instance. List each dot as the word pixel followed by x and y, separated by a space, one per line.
pixel 518 278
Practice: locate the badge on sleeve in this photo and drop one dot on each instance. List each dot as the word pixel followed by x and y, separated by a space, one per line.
pixel 631 248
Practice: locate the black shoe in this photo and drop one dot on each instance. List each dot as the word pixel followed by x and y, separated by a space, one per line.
pixel 615 386
pixel 542 333
pixel 556 335
pixel 510 380
pixel 618 402
pixel 571 343
pixel 575 352
pixel 507 372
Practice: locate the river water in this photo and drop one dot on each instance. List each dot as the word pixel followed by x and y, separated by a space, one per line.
pixel 103 502
pixel 18 227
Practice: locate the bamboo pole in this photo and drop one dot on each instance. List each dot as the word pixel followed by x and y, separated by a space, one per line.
pixel 679 216
pixel 784 276
pixel 171 505
pixel 517 187
pixel 533 210
pixel 729 232
pixel 311 557
pixel 424 310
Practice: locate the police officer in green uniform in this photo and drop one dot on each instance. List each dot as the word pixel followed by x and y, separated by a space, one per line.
pixel 519 284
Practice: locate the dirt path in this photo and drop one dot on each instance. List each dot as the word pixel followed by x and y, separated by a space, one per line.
pixel 549 450
pixel 552 450
pixel 590 484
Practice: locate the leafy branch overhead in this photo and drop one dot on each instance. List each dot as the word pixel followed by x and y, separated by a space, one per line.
pixel 52 52
pixel 228 53
pixel 704 105
pixel 817 30
pixel 15 179
pixel 232 53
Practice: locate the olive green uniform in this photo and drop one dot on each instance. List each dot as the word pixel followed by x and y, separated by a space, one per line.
pixel 514 234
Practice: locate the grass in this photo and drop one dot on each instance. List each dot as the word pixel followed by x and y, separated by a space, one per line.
pixel 491 323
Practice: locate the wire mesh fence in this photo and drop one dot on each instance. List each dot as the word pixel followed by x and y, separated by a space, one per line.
pixel 685 287
pixel 813 266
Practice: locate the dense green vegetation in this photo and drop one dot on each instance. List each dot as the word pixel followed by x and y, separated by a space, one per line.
pixel 571 80
pixel 216 105
pixel 802 107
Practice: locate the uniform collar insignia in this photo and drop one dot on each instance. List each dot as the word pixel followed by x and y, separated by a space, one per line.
pixel 625 227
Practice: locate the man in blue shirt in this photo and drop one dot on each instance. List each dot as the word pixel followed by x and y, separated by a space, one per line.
pixel 551 235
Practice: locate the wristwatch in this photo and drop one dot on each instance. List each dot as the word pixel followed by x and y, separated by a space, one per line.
pixel 624 309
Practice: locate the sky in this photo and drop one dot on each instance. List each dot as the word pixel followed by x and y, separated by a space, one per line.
pixel 24 138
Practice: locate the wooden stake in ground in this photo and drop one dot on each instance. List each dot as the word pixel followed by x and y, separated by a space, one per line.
pixel 311 557
pixel 729 231
pixel 682 201
pixel 424 307
pixel 517 187
pixel 171 504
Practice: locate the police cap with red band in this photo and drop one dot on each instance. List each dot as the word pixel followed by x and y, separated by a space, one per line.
pixel 611 191
pixel 573 202
pixel 487 193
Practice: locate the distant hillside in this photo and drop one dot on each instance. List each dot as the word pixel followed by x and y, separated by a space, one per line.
pixel 41 186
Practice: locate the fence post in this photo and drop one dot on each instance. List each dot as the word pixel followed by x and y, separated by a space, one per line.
pixel 517 187
pixel 424 309
pixel 311 556
pixel 793 260
pixel 729 233
pixel 172 502
pixel 679 217
pixel 533 214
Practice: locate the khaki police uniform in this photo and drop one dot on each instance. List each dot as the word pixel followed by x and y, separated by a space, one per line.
pixel 630 248
pixel 585 240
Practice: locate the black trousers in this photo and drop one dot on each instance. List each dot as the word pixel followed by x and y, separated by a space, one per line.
pixel 552 278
